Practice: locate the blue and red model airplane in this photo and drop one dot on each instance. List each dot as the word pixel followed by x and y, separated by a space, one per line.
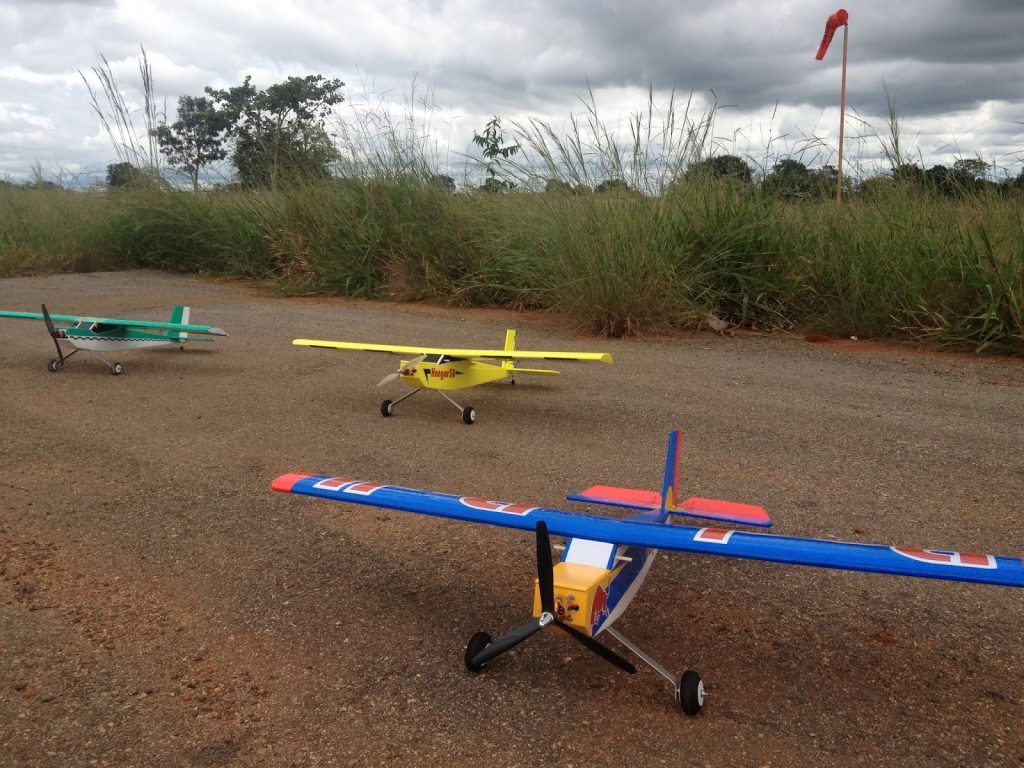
pixel 606 560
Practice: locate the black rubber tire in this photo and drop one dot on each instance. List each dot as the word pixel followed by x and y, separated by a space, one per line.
pixel 54 365
pixel 116 369
pixel 476 643
pixel 387 408
pixel 469 414
pixel 691 692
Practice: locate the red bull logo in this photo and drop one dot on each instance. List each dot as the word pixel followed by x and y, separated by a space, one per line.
pixel 599 608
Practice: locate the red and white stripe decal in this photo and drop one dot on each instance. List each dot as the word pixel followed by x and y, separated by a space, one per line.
pixel 959 559
pixel 713 535
pixel 496 506
pixel 333 483
pixel 363 489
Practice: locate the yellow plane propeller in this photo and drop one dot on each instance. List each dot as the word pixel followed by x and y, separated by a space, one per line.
pixel 405 369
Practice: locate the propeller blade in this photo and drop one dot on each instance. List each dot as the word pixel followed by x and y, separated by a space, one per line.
pixel 545 569
pixel 409 366
pixel 507 641
pixel 600 649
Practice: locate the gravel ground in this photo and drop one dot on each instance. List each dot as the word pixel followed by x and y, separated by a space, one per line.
pixel 160 606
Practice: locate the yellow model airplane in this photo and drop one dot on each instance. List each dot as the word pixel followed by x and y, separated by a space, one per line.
pixel 450 369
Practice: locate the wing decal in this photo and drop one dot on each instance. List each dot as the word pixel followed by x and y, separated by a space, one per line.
pixel 876 558
pixel 714 535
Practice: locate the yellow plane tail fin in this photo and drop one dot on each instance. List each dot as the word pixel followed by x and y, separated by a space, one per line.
pixel 510 346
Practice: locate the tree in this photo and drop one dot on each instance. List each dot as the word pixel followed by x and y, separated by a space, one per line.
pixel 721 167
pixel 279 133
pixel 557 186
pixel 970 168
pixel 121 174
pixel 494 150
pixel 789 180
pixel 196 138
pixel 612 185
pixel 910 174
pixel 443 181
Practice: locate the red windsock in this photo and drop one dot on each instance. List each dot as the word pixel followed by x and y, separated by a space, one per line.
pixel 835 21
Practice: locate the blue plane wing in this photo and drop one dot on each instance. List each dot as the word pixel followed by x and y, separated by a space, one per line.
pixel 876 558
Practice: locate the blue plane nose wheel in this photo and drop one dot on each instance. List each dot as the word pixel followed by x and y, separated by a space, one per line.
pixel 476 643
pixel 691 692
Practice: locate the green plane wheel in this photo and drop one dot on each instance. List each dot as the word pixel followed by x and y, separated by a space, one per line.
pixel 476 643
pixel 469 414
pixel 53 366
pixel 116 369
pixel 387 408
pixel 691 692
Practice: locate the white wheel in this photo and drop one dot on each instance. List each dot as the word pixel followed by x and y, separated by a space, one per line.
pixel 53 366
pixel 116 369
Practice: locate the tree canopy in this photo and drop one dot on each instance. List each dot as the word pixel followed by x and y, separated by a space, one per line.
pixel 280 133
pixel 196 138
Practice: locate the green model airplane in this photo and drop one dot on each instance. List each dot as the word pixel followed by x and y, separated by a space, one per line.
pixel 105 334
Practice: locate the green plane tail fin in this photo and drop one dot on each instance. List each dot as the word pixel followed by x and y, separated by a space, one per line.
pixel 179 316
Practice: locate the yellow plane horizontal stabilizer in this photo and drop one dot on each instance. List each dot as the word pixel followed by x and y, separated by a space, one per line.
pixel 541 371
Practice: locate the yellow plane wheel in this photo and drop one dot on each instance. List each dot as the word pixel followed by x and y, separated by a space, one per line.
pixel 469 414
pixel 476 643
pixel 387 408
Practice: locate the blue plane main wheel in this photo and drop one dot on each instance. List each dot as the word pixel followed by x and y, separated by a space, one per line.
pixel 469 414
pixel 53 366
pixel 117 369
pixel 387 408
pixel 691 692
pixel 476 643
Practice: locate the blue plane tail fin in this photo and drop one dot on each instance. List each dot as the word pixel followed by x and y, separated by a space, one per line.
pixel 670 484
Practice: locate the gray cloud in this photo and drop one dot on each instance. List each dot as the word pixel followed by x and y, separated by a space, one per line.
pixel 954 68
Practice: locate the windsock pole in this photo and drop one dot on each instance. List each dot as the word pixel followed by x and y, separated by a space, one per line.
pixel 838 19
pixel 842 121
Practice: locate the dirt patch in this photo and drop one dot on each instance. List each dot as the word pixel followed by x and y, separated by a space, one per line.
pixel 160 606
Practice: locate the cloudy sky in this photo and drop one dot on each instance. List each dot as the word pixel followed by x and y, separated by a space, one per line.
pixel 954 69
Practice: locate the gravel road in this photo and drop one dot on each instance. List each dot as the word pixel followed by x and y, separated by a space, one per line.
pixel 160 606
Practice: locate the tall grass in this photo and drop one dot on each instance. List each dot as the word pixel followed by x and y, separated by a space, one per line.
pixel 660 250
pixel 903 265
pixel 54 230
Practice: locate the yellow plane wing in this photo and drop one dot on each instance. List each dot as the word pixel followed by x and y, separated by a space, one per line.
pixel 501 354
